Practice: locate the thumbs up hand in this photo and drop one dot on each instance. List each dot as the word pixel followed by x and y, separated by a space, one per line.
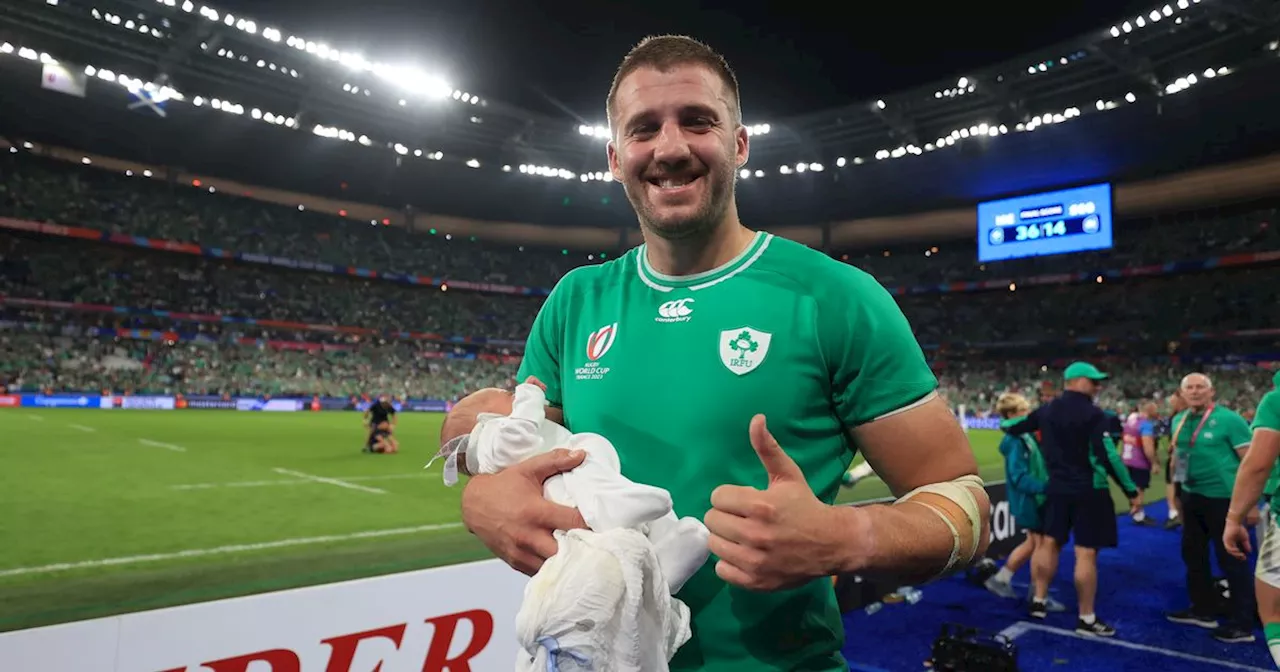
pixel 777 538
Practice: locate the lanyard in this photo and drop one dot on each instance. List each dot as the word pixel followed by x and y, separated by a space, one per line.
pixel 1196 434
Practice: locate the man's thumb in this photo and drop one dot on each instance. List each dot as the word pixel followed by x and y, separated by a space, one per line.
pixel 549 464
pixel 776 462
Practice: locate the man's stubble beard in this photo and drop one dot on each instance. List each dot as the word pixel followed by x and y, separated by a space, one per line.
pixel 705 221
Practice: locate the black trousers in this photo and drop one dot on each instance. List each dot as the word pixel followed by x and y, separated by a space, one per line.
pixel 1204 519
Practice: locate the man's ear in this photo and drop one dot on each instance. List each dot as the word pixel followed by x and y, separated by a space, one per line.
pixel 615 168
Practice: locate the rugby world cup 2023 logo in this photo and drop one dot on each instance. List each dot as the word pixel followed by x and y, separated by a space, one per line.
pixel 598 343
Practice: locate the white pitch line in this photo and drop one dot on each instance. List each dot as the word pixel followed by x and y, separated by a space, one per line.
pixel 82 428
pixel 330 481
pixel 222 550
pixel 1022 627
pixel 291 481
pixel 35 417
pixel 157 444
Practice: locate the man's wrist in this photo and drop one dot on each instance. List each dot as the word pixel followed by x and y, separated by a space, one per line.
pixel 855 538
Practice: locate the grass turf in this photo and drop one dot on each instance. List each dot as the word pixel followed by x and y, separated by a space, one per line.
pixel 112 512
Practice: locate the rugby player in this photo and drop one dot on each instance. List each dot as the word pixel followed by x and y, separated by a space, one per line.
pixel 379 414
pixel 741 372
pixel 1258 477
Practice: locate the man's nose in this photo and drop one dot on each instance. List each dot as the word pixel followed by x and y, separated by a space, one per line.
pixel 671 146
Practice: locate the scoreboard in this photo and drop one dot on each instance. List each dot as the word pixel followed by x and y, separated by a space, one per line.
pixel 1053 222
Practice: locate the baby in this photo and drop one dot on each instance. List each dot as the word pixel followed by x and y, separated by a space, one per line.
pixel 605 600
pixel 499 429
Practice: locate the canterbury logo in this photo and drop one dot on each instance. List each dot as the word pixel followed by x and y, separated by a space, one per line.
pixel 601 340
pixel 675 311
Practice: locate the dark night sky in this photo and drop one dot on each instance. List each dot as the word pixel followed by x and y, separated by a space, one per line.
pixel 791 57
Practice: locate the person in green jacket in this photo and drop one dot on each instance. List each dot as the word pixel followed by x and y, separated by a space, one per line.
pixel 1025 476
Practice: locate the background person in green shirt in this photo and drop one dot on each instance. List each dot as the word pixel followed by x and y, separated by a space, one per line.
pixel 1258 477
pixel 680 349
pixel 1210 440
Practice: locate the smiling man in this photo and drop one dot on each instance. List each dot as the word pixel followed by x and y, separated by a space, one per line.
pixel 682 349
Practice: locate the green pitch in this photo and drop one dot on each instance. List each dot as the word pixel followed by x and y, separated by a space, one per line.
pixel 108 512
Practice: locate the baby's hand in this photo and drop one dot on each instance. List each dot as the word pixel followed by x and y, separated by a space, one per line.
pixel 531 380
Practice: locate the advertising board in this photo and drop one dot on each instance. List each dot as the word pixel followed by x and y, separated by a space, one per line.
pixel 453 618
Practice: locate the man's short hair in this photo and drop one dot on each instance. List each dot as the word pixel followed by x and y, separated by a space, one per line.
pixel 665 52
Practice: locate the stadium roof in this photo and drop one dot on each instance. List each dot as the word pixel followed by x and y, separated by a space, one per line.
pixel 557 58
pixel 471 95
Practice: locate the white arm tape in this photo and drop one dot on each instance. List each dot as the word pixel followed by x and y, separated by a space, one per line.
pixel 961 492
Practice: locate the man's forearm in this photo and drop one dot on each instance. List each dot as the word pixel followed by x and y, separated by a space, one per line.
pixel 1251 478
pixel 909 542
pixel 1105 452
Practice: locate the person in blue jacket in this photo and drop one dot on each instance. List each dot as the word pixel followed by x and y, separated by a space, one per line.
pixel 1025 479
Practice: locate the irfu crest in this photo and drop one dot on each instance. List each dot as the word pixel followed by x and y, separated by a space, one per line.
pixel 743 349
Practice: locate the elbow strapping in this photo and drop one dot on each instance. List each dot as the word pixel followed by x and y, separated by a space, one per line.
pixel 968 523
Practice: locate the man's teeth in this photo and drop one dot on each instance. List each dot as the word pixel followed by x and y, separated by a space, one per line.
pixel 674 183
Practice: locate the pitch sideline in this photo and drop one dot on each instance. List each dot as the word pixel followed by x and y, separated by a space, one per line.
pixel 294 481
pixel 158 444
pixel 223 550
pixel 330 481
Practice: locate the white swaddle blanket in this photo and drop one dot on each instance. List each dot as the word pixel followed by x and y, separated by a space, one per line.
pixel 606 595
pixel 600 604
pixel 596 487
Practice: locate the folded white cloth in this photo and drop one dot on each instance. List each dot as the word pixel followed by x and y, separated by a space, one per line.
pixel 600 604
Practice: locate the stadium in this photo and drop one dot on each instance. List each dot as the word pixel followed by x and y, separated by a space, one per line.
pixel 229 231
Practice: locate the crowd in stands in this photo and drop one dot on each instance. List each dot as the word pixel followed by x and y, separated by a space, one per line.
pixel 46 190
pixel 1214 232
pixel 78 271
pixel 45 349
pixel 71 270
pixel 1157 308
pixel 65 361
pixel 977 384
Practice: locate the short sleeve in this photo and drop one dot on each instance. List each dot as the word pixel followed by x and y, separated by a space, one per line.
pixel 1148 428
pixel 875 363
pixel 1175 426
pixel 542 349
pixel 1268 413
pixel 1238 430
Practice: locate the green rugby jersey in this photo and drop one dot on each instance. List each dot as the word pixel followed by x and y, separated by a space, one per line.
pixel 671 370
pixel 1267 417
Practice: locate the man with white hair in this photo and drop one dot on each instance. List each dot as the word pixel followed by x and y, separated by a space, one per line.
pixel 1210 440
